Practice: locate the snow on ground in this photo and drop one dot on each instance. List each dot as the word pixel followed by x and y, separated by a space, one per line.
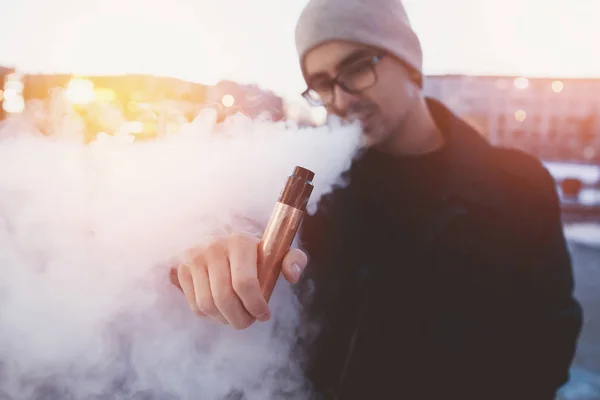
pixel 584 233
pixel 589 174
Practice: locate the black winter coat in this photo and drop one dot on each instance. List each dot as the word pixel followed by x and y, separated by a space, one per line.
pixel 465 294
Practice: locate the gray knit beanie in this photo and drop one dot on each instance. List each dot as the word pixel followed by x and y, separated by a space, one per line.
pixel 382 24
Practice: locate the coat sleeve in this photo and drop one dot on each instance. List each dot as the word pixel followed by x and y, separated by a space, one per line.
pixel 548 318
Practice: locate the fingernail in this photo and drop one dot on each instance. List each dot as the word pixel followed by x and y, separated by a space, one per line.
pixel 264 317
pixel 296 271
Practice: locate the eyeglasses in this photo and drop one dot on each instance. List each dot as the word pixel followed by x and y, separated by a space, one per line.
pixel 353 79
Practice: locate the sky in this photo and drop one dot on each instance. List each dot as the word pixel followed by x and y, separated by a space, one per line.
pixel 252 41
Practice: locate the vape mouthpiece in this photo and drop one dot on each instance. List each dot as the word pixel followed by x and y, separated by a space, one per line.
pixel 298 188
pixel 304 173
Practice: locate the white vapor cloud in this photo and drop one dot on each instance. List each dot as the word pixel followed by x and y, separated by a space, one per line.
pixel 87 235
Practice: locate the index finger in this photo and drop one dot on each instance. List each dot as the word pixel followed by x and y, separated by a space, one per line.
pixel 243 260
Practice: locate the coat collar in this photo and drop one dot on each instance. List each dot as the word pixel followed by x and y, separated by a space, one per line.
pixel 465 146
pixel 469 156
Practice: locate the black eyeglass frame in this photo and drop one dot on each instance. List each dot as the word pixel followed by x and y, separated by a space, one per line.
pixel 336 82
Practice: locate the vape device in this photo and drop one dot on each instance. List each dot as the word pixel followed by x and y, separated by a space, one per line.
pixel 280 231
pixel 282 228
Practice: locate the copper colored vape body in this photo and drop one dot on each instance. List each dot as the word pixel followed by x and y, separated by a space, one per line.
pixel 282 228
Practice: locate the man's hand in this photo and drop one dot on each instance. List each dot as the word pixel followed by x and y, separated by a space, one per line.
pixel 220 280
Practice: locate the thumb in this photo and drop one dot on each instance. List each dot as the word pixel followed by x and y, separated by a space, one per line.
pixel 294 264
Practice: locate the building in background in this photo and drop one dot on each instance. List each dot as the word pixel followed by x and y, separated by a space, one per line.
pixel 3 73
pixel 555 119
pixel 144 105
pixel 230 98
pixel 10 90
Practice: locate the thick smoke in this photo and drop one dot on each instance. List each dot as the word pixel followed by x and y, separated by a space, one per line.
pixel 87 235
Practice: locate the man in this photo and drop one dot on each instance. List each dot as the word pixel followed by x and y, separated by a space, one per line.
pixel 441 271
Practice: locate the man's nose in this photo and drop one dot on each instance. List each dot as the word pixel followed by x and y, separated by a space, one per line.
pixel 342 101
